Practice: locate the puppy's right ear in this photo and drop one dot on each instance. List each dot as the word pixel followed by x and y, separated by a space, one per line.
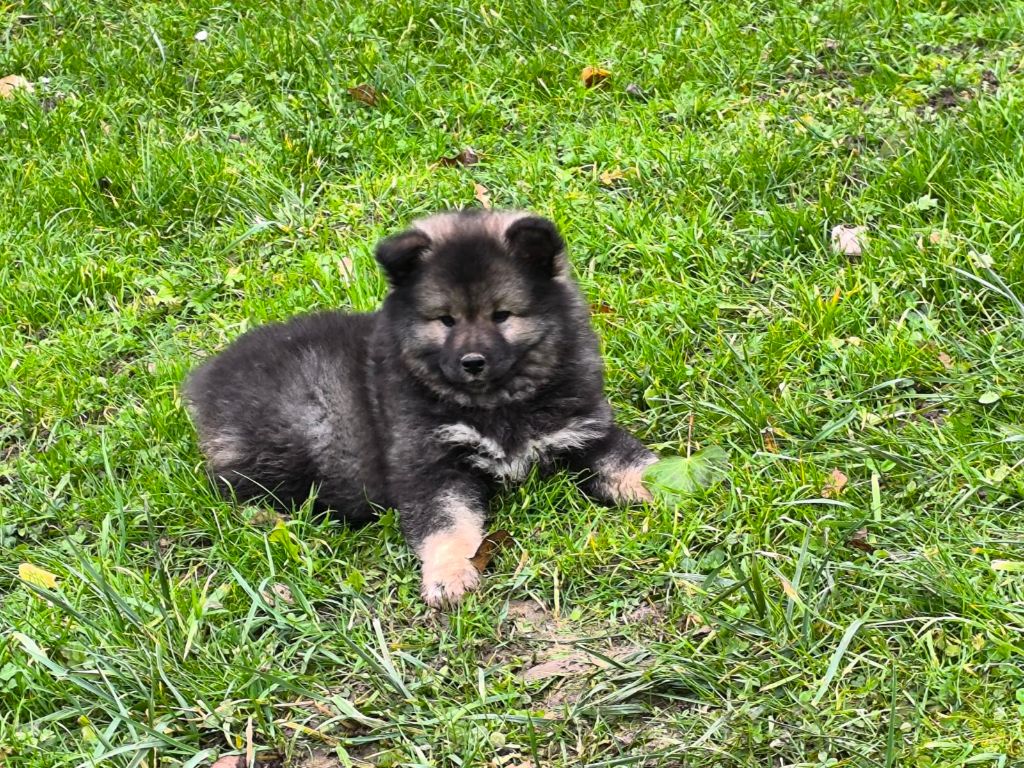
pixel 401 255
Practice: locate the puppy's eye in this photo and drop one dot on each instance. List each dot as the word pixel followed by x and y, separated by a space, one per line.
pixel 448 320
pixel 501 316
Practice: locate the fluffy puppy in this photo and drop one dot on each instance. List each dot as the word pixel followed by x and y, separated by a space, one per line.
pixel 480 365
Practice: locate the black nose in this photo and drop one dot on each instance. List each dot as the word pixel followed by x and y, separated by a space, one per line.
pixel 473 363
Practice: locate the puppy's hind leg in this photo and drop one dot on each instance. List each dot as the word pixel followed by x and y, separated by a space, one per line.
pixel 612 470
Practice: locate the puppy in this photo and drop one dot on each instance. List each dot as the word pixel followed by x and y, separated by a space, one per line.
pixel 480 365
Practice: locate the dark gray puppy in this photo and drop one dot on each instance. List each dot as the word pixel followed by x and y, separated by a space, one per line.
pixel 480 365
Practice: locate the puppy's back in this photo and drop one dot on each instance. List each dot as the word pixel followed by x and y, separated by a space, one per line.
pixel 285 408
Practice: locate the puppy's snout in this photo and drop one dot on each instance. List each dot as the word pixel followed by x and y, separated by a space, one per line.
pixel 473 363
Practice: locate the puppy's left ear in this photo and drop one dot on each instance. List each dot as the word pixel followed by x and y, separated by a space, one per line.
pixel 537 240
pixel 401 255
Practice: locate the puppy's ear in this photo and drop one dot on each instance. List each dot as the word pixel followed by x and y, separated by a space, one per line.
pixel 401 255
pixel 537 241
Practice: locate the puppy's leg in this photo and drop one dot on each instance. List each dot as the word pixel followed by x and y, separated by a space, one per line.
pixel 445 529
pixel 612 470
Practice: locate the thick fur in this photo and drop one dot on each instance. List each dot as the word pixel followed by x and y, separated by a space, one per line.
pixel 480 365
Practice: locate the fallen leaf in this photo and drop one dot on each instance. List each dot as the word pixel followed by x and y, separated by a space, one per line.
pixel 848 240
pixel 602 309
pixel 201 36
pixel 981 260
pixel 321 760
pixel 645 614
pixel 1011 566
pixel 768 437
pixel 835 485
pixel 988 398
pixel 489 548
pixel 364 93
pixel 859 540
pixel 609 178
pixel 482 195
pixel 11 83
pixel 946 360
pixel 592 76
pixel 567 666
pixel 468 156
pixel 790 590
pixel 36 576
pixel 250 748
pixel 277 592
pixel 229 761
pixel 675 477
pixel 345 268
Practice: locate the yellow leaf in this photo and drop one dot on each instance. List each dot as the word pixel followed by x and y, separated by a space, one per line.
pixel 36 576
pixel 790 591
pixel 608 178
pixel 11 83
pixel 482 195
pixel 592 76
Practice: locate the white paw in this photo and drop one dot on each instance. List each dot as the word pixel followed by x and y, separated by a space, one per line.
pixel 446 581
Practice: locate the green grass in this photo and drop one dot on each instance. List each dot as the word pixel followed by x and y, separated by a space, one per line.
pixel 161 194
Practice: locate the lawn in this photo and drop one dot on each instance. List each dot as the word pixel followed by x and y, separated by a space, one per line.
pixel 851 595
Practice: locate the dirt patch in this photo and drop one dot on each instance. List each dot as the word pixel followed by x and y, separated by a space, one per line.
pixel 564 659
pixel 947 98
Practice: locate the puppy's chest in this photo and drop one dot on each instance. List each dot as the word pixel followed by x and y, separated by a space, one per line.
pixel 509 455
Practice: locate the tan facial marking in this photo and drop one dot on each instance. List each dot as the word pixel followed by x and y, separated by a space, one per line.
pixel 518 330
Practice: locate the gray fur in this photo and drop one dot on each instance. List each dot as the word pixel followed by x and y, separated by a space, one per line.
pixel 382 409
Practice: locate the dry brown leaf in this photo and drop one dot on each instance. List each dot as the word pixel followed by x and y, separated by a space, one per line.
pixel 489 548
pixel 835 485
pixel 573 665
pixel 592 76
pixel 768 437
pixel 277 592
pixel 468 156
pixel 364 93
pixel 859 540
pixel 848 240
pixel 482 195
pixel 645 614
pixel 946 360
pixel 602 309
pixel 11 83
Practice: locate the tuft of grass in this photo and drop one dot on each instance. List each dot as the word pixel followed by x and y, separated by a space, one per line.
pixel 163 193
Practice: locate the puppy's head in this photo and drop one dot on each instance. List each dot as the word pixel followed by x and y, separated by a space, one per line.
pixel 482 302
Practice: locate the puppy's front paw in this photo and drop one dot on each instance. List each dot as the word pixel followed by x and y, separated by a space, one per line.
pixel 447 572
pixel 444 584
